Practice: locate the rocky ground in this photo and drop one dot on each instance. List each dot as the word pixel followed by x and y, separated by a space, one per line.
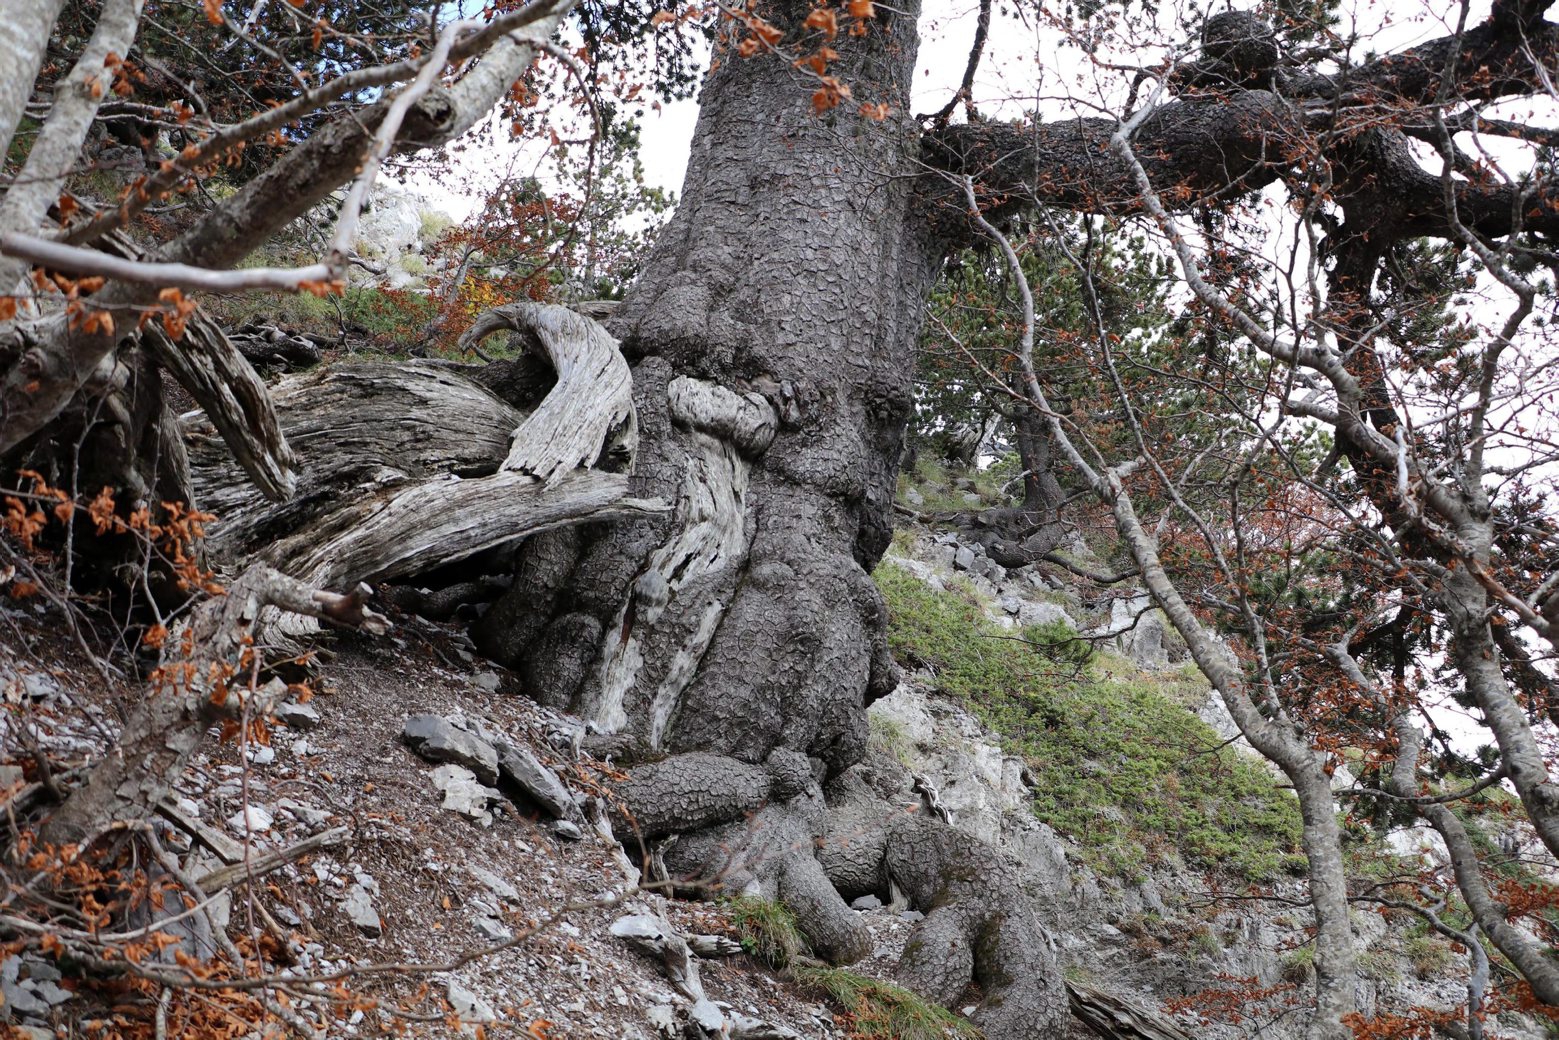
pixel 453 837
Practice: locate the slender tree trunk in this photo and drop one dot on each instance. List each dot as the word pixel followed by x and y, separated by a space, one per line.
pixel 1042 494
pixel 24 37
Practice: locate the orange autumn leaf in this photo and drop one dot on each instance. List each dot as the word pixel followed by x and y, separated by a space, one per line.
pixel 332 288
pixel 540 1028
pixel 764 31
pixel 823 20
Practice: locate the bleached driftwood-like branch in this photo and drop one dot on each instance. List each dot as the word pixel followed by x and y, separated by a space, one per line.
pixel 415 528
pixel 589 412
pixel 413 466
pixel 226 386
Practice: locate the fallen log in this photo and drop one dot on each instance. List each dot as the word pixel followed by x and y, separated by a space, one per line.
pixel 1115 1018
pixel 411 466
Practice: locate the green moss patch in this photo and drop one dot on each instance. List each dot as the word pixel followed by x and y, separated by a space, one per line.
pixel 1121 766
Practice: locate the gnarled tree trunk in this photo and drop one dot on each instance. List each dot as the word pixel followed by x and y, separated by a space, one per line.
pixel 771 338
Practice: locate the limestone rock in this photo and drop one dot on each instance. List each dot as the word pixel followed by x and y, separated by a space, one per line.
pixel 359 908
pixel 540 784
pixel 255 819
pixel 294 715
pixel 1033 612
pixel 439 740
pixel 463 793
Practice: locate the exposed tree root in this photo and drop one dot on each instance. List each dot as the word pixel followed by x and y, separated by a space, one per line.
pixel 766 830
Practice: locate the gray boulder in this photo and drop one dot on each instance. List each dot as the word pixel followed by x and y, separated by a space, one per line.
pixel 540 784
pixel 439 740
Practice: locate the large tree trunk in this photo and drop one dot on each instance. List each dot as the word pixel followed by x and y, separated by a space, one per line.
pixel 788 288
pixel 733 646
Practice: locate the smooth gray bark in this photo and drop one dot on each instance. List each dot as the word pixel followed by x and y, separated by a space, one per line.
pixel 58 146
pixel 24 37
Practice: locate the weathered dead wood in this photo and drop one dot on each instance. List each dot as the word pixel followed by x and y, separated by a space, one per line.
pixel 589 412
pixel 226 386
pixel 1116 1019
pixel 403 476
pixel 269 345
pixel 413 528
pixel 359 426
pixel 207 686
pixel 226 849
pixel 258 866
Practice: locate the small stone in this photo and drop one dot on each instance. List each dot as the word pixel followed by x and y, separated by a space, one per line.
pixel 568 830
pixel 963 559
pixel 50 993
pixel 470 1008
pixel 866 902
pixel 262 756
pixel 708 1018
pixel 1012 605
pixel 912 916
pixel 311 815
pixel 494 884
pixel 971 499
pixel 439 740
pixel 297 716
pixel 663 1019
pixel 486 681
pixel 254 819
pixel 1042 613
pixel 914 498
pixel 37 686
pixel 492 929
pixel 463 793
pixel 10 776
pixel 360 910
pixel 989 568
